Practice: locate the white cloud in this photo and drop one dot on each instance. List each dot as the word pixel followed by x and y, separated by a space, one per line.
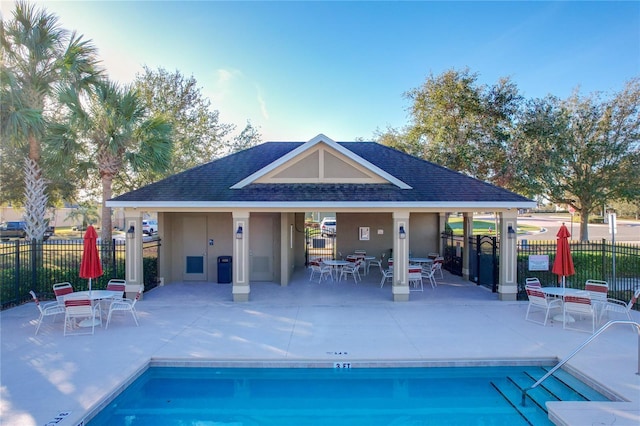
pixel 262 103
pixel 226 76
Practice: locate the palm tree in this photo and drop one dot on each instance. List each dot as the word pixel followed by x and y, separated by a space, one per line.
pixel 120 136
pixel 37 57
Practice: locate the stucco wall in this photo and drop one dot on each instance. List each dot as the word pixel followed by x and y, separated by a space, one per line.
pixel 425 234
pixel 218 228
pixel 348 228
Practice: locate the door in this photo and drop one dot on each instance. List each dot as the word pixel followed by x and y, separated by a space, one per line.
pixel 194 241
pixel 261 248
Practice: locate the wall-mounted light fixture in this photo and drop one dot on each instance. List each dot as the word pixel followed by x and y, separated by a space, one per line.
pixel 401 233
pixel 239 233
pixel 511 233
pixel 131 232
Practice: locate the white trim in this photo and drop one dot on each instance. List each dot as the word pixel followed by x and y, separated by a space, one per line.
pixel 447 205
pixel 308 145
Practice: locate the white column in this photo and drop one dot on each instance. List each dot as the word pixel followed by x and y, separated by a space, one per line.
pixel 400 288
pixel 241 288
pixel 466 249
pixel 134 273
pixel 508 280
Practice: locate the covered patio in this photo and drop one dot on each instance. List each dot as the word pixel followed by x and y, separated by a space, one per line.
pixel 251 206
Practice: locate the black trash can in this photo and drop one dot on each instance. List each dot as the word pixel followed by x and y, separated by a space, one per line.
pixel 224 269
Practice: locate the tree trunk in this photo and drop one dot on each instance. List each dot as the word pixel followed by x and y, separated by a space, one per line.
pixel 584 225
pixel 105 233
pixel 34 148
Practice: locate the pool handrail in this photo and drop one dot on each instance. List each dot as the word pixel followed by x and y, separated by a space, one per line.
pixel 582 346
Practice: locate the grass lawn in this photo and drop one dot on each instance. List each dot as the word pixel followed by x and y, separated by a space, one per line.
pixel 485 227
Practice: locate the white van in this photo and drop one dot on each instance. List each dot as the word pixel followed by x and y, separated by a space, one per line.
pixel 328 227
pixel 149 227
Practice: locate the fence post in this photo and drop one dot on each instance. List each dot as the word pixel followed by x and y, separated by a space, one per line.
pixel 604 259
pixel 16 284
pixel 34 263
pixel 113 259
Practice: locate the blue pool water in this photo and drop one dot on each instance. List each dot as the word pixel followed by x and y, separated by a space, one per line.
pixel 325 396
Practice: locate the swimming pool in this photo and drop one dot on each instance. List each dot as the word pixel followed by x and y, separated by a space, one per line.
pixel 353 396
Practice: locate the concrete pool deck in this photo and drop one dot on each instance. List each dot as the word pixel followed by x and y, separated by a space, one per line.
pixel 458 322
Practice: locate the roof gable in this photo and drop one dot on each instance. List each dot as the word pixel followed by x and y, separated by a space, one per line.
pixel 318 161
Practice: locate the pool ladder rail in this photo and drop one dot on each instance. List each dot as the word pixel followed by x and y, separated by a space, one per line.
pixel 581 347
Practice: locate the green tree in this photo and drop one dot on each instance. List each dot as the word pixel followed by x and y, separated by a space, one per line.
pixel 581 152
pixel 117 134
pixel 462 125
pixel 249 137
pixel 86 213
pixel 198 135
pixel 37 58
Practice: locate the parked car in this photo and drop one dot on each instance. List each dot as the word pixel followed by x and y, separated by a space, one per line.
pixel 328 227
pixel 149 227
pixel 49 232
pixel 18 229
pixel 14 229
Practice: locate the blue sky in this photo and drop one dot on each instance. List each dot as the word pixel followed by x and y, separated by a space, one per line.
pixel 296 69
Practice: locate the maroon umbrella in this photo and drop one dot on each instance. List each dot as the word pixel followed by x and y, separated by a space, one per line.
pixel 90 266
pixel 563 263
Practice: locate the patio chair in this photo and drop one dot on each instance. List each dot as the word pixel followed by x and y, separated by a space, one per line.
pixel 78 309
pixel 429 272
pixel 433 255
pixel 61 290
pixel 539 300
pixel 532 282
pixel 352 269
pixel 362 266
pixel 319 268
pixel 437 263
pixel 386 274
pixel 598 290
pixel 125 305
pixel 619 306
pixel 46 309
pixel 414 276
pixel 376 262
pixel 115 284
pixel 581 306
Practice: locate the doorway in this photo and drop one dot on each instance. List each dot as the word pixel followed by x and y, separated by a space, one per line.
pixel 194 241
pixel 261 248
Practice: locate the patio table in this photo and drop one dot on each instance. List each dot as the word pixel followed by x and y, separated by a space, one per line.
pixel 561 292
pixel 420 260
pixel 336 265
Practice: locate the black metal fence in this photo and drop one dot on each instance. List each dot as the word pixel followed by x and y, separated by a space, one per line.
pixel 484 262
pixel 618 264
pixel 318 246
pixel 36 266
pixel 453 252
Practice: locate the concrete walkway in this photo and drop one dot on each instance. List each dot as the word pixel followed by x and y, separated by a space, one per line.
pixel 309 322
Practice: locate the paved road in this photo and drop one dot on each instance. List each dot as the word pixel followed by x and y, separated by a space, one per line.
pixel 627 231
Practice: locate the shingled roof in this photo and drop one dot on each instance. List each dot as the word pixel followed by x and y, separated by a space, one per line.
pixel 408 181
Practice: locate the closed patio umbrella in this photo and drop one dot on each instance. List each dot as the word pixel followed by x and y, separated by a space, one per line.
pixel 90 266
pixel 563 263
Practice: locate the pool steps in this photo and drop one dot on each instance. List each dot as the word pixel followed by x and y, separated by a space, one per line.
pixel 562 386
